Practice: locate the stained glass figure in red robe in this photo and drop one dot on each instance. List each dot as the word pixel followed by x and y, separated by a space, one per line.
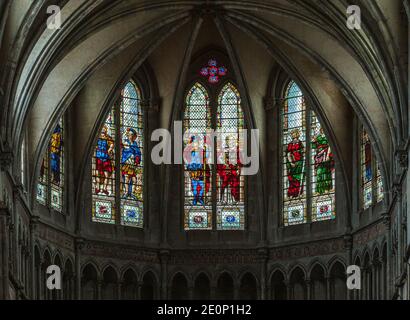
pixel 295 156
pixel 229 170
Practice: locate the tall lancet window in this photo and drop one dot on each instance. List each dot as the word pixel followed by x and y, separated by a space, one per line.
pixel 367 170
pixel 50 184
pixel 197 173
pixel 118 165
pixel 371 178
pixel 379 186
pixel 322 173
pixel 230 183
pixel 213 185
pixel 308 164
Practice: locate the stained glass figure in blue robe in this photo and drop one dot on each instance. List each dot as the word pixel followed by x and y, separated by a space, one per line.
pixel 130 159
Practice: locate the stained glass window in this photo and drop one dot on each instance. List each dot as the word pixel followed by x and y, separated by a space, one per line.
pixel 371 178
pixel 42 193
pixel 380 187
pixel 230 182
pixel 294 156
pixel 213 72
pixel 210 188
pixel 197 172
pixel 51 179
pixel 119 188
pixel 57 167
pixel 322 173
pixel 104 175
pixel 132 166
pixel 308 195
pixel 367 170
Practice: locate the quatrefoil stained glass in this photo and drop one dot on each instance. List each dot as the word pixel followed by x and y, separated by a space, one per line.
pixel 213 72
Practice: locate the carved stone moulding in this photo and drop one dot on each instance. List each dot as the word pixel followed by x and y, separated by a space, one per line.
pixel 195 257
pixel 112 251
pixel 55 237
pixel 320 248
pixel 369 234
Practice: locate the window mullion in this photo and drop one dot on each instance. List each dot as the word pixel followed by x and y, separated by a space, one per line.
pixel 359 137
pixel 117 114
pixel 374 178
pixel 48 186
pixel 281 165
pixel 308 118
pixel 213 105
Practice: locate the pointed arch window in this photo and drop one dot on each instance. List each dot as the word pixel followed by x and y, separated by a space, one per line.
pixel 308 163
pixel 213 194
pixel 118 164
pixel 50 186
pixel 379 184
pixel 197 173
pixel 230 183
pixel 367 170
pixel 372 190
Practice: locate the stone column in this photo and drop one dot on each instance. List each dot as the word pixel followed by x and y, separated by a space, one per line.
pixel 328 280
pixel 4 256
pixel 191 293
pixel 44 290
pixel 268 292
pixel 387 265
pixel 6 159
pixel 100 283
pixel 288 290
pixel 236 288
pixel 370 281
pixel 71 294
pixel 376 280
pixel 348 246
pixel 39 286
pixel 263 260
pixel 308 289
pixel 213 292
pixel 164 257
pixel 139 286
pixel 383 280
pixel 79 244
pixel 33 235
pixel 119 287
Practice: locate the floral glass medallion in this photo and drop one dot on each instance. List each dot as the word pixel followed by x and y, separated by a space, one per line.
pixel 213 72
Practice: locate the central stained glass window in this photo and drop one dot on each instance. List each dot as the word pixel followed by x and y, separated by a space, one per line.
pixel 118 165
pixel 214 188
pixel 308 163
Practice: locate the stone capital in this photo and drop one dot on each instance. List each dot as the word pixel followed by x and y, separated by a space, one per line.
pixel 402 158
pixel 79 243
pixel 269 103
